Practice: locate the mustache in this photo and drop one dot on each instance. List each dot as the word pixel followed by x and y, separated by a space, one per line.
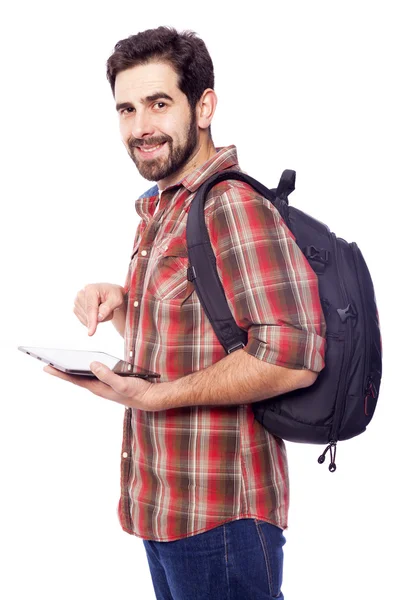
pixel 154 141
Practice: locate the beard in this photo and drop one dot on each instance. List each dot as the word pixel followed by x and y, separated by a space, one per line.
pixel 178 155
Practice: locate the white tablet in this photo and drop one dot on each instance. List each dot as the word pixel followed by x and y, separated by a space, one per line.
pixel 77 362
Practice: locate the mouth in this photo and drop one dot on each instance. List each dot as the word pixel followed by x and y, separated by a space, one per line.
pixel 150 151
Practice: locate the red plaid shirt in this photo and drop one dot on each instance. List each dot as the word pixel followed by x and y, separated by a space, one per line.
pixel 187 470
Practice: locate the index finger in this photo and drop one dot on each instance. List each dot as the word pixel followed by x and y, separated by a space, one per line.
pixel 92 310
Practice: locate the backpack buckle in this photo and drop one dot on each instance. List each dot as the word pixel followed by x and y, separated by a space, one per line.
pixel 191 274
pixel 236 347
pixel 347 313
pixel 319 254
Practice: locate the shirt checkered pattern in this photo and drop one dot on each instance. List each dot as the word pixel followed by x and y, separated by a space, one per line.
pixel 187 470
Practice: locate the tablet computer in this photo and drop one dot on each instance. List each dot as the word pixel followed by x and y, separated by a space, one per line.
pixel 77 362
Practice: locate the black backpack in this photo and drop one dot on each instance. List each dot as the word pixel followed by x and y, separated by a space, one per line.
pixel 342 401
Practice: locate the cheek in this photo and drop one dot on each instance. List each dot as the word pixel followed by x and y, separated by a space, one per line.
pixel 176 133
pixel 125 131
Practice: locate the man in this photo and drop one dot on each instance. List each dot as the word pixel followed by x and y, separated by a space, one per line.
pixel 202 482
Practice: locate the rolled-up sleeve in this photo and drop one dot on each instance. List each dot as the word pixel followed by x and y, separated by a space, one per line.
pixel 271 289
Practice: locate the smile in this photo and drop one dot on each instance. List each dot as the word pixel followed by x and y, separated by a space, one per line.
pixel 150 150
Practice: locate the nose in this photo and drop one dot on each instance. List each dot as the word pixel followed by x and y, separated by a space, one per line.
pixel 142 126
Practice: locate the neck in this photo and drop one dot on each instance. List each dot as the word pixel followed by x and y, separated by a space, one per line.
pixel 202 154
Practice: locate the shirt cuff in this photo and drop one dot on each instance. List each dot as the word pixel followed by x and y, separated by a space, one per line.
pixel 287 347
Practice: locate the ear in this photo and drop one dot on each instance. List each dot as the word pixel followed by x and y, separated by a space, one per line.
pixel 206 108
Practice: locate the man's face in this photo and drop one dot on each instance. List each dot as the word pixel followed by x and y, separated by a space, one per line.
pixel 157 125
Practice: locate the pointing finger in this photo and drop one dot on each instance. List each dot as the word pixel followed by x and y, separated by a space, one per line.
pixel 92 310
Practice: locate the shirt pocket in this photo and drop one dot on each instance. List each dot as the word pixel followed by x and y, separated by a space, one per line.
pixel 168 271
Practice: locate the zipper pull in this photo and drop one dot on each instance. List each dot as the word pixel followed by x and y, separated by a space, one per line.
pixel 321 459
pixel 372 389
pixel 370 392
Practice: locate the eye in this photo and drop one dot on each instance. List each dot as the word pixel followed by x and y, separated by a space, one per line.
pixel 126 111
pixel 160 105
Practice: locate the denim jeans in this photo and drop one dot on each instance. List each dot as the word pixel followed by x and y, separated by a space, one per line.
pixel 241 560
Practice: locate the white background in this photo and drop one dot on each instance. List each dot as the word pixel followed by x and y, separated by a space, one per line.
pixel 311 86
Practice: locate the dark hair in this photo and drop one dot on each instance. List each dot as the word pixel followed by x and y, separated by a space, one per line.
pixel 186 53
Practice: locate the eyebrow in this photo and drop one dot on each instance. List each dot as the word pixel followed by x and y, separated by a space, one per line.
pixel 147 100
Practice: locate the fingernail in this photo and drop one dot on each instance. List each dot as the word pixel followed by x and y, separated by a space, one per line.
pixel 100 317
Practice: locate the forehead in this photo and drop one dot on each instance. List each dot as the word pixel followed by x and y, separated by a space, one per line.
pixel 144 80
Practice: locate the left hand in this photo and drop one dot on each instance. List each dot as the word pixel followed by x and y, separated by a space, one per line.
pixel 132 392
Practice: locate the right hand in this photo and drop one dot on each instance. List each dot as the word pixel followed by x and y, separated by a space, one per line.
pixel 96 303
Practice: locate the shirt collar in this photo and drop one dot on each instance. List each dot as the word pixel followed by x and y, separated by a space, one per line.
pixel 225 158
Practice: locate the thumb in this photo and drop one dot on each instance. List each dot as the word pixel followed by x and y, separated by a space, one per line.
pixel 105 311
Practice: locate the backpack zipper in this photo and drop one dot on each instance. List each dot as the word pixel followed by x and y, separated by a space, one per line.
pixel 366 374
pixel 340 398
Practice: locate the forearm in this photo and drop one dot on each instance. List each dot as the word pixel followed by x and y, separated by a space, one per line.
pixel 236 379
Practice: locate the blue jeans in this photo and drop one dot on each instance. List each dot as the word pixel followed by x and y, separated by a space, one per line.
pixel 241 560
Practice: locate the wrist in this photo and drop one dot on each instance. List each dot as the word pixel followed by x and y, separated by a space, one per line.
pixel 160 396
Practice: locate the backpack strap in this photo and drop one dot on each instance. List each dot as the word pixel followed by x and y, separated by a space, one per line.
pixel 203 270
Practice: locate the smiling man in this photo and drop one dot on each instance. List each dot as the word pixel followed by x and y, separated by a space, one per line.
pixel 202 483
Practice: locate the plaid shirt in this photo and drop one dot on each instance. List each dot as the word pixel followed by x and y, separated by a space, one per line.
pixel 187 470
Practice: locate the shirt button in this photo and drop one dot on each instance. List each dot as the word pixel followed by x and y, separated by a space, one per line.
pixel 165 247
pixel 124 455
pixel 131 353
pixel 136 303
pixel 144 253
